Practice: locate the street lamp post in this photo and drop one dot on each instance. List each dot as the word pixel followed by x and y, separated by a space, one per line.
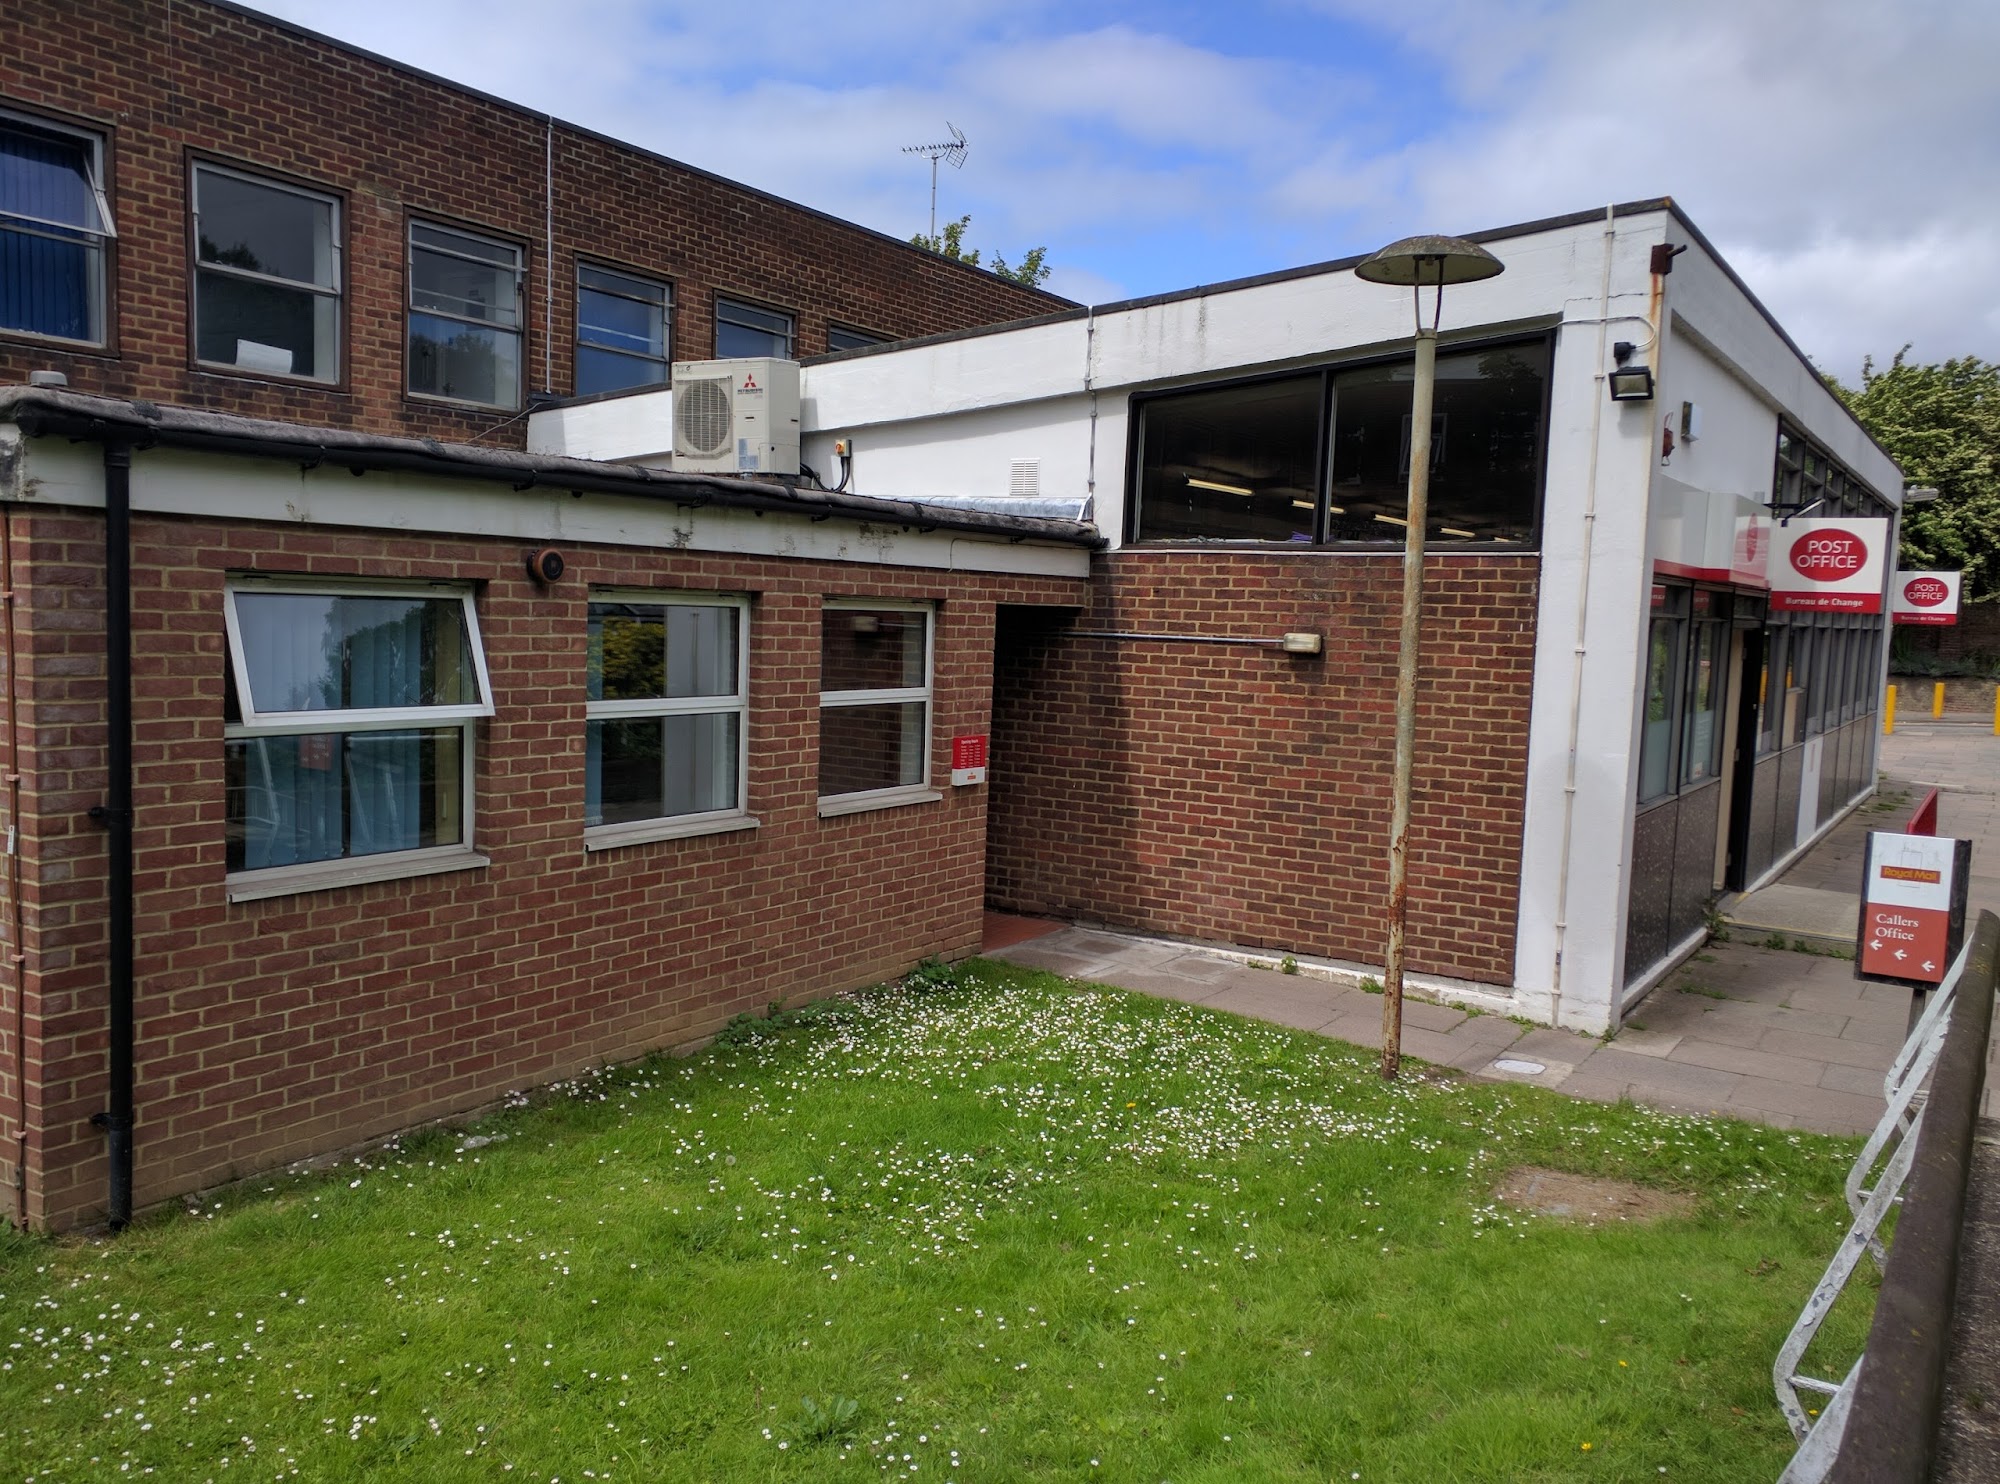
pixel 1418 263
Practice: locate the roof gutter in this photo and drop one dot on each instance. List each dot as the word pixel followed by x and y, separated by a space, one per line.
pixel 42 412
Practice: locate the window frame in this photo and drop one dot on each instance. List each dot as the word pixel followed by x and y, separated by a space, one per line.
pixel 270 881
pixel 902 793
pixel 196 267
pixel 734 301
pixel 1327 371
pixel 100 248
pixel 519 329
pixel 578 344
pixel 863 339
pixel 708 821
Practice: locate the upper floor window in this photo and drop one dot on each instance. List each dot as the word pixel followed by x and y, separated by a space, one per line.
pixel 1324 457
pixel 839 337
pixel 54 223
pixel 267 276
pixel 465 317
pixel 621 331
pixel 746 330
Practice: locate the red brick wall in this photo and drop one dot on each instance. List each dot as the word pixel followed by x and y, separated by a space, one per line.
pixel 271 1030
pixel 166 83
pixel 1242 795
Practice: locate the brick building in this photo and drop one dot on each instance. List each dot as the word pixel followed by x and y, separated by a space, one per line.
pixel 407 826
pixel 412 820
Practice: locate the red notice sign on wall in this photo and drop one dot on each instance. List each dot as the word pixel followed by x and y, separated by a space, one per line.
pixel 1924 598
pixel 1828 565
pixel 1913 894
pixel 968 760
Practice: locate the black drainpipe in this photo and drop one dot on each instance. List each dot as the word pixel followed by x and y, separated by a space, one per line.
pixel 116 817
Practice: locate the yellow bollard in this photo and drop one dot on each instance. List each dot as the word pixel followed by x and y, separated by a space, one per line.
pixel 1889 712
pixel 1937 700
pixel 1996 710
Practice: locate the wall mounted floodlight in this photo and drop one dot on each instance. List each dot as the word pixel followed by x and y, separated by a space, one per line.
pixel 1918 494
pixel 1629 383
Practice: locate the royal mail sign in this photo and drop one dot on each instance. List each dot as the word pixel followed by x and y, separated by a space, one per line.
pixel 1913 896
pixel 1831 565
pixel 1924 598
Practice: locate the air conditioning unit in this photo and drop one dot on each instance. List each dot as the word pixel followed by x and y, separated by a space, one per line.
pixel 736 417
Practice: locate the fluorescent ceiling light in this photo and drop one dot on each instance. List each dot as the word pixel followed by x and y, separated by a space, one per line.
pixel 1210 484
pixel 1302 504
pixel 1455 531
pixel 1338 509
pixel 1392 520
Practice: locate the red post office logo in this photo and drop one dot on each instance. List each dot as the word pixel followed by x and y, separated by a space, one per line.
pixel 1925 592
pixel 1829 554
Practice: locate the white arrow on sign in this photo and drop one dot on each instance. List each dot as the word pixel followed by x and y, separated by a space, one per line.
pixel 1929 967
pixel 1901 954
pixel 1875 945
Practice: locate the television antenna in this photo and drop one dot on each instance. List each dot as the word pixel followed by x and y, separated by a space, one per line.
pixel 952 151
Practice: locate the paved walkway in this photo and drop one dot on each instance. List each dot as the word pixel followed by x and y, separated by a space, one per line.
pixel 1782 1037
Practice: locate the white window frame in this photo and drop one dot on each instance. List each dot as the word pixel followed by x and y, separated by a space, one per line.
pixel 519 329
pixel 902 793
pixel 197 266
pixel 709 821
pixel 273 881
pixel 100 292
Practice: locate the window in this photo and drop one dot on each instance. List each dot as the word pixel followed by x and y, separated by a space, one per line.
pixel 745 330
pixel 267 276
pixel 875 701
pixel 621 331
pixel 349 724
pixel 840 338
pixel 1708 658
pixel 668 704
pixel 1666 636
pixel 54 223
pixel 1324 457
pixel 465 317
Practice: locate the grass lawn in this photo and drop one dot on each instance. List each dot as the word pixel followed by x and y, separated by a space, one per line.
pixel 985 1226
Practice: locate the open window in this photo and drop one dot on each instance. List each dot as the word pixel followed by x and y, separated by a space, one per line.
pixel 348 730
pixel 55 224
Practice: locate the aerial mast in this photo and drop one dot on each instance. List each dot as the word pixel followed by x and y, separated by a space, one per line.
pixel 953 151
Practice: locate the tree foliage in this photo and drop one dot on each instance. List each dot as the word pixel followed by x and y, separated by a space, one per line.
pixel 1032 270
pixel 1941 423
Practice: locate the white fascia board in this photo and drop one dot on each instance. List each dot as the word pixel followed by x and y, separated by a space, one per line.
pixel 1600 816
pixel 1709 307
pixel 945 377
pixel 637 428
pixel 387 504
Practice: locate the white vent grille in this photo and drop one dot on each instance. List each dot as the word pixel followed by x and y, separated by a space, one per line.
pixel 1025 480
pixel 701 416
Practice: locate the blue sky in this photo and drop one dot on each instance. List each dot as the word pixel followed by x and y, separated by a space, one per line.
pixel 1843 154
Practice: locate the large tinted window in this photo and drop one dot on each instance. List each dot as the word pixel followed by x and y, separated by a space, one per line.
pixel 1326 458
pixel 1236 464
pixel 53 226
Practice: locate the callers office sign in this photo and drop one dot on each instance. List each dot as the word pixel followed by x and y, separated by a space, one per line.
pixel 1828 565
pixel 1913 899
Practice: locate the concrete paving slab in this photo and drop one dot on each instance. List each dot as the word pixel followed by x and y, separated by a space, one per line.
pixel 1809 912
pixel 1752 1062
pixel 1430 1017
pixel 1154 982
pixel 1828 1048
pixel 1663 1076
pixel 1864 1080
pixel 1820 1109
pixel 1486 1030
pixel 1646 1042
pixel 1544 1044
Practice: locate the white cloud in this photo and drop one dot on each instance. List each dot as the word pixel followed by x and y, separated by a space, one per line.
pixel 1841 153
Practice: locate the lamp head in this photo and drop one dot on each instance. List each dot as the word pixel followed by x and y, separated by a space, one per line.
pixel 1429 262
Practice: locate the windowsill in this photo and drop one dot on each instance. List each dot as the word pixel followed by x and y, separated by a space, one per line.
pixel 267 378
pixel 887 798
pixel 438 399
pixel 286 881
pixel 645 831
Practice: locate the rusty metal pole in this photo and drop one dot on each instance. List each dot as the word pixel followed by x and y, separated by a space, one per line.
pixel 1422 394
